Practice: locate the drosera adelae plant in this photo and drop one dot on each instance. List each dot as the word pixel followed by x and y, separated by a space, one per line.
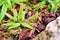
pixel 52 4
pixel 5 5
pixel 19 19
pixel 40 4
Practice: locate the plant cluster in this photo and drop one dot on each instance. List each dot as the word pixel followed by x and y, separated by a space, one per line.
pixel 18 18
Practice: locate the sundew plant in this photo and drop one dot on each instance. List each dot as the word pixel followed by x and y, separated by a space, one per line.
pixel 19 17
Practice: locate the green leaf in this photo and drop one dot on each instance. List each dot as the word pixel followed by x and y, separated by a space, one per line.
pixel 15 14
pixel 8 2
pixel 15 1
pixel 11 17
pixel 25 24
pixel 3 12
pixel 2 2
pixel 9 23
pixel 14 25
pixel 23 15
pixel 33 17
pixel 13 10
pixel 40 4
pixel 53 8
pixel 54 4
pixel 23 0
pixel 20 14
pixel 49 6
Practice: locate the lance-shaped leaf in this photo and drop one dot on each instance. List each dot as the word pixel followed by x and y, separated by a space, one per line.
pixel 54 4
pixel 33 17
pixel 15 1
pixel 23 0
pixel 3 12
pixel 39 5
pixel 20 14
pixel 25 24
pixel 14 25
pixel 23 15
pixel 8 2
pixel 9 24
pixel 11 17
pixel 54 7
pixel 15 14
pixel 13 10
pixel 2 2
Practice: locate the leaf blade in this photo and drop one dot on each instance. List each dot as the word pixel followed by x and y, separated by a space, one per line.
pixel 2 2
pixel 26 25
pixel 11 17
pixel 14 25
pixel 23 15
pixel 9 24
pixel 3 12
pixel 20 14
pixel 39 5
pixel 33 17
